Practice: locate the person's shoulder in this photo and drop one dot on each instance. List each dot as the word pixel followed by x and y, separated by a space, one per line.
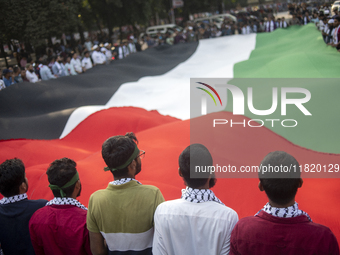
pixel 148 187
pixel 171 203
pixel 320 229
pixel 247 220
pixel 38 202
pixel 99 193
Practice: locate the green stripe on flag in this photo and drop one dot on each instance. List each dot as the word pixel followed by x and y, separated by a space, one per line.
pixel 296 52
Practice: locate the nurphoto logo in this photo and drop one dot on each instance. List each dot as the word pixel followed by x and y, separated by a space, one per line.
pixel 242 100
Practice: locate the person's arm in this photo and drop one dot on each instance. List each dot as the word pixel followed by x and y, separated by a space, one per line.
pixel 38 249
pixel 158 246
pixel 50 75
pixel 97 244
pixel 228 242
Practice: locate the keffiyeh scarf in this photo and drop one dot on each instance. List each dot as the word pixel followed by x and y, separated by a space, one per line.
pixel 123 181
pixel 10 200
pixel 66 201
pixel 199 195
pixel 287 212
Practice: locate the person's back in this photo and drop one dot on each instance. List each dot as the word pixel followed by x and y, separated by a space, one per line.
pixel 60 227
pixel 120 218
pixel 124 213
pixel 280 227
pixel 193 228
pixel 198 222
pixel 267 234
pixel 15 210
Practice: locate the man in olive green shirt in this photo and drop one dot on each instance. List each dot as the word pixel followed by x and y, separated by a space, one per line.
pixel 122 214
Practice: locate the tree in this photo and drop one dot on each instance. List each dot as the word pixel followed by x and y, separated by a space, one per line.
pixel 48 18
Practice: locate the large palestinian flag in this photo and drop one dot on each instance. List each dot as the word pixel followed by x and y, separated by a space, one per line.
pixel 148 93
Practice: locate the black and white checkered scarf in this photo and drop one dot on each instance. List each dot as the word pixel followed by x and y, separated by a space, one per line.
pixel 10 200
pixel 123 181
pixel 66 201
pixel 287 212
pixel 199 195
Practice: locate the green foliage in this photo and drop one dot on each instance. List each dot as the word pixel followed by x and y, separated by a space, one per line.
pixel 32 20
pixel 51 18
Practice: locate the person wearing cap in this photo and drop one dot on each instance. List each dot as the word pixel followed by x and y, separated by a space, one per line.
pixel 108 52
pixel 98 57
pixel 8 77
pixel 330 32
pixel 281 227
pixel 198 222
pixel 60 227
pixel 120 217
pixel 103 50
pixel 16 209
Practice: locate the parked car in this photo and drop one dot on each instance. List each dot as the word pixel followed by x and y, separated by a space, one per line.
pixel 163 29
pixel 216 19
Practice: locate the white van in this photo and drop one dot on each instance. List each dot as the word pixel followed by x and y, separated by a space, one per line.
pixel 163 29
pixel 216 19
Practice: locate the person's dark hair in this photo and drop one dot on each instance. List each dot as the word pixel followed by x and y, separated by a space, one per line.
pixel 280 186
pixel 116 151
pixel 60 172
pixel 12 175
pixel 16 69
pixel 195 155
pixel 337 18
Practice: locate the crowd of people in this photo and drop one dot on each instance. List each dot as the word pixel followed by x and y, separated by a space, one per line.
pixel 329 25
pixel 59 60
pixel 131 218
pixel 61 64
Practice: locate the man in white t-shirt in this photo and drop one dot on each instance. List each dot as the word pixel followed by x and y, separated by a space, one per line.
pixel 198 222
pixel 86 63
pixel 108 52
pixel 75 62
pixel 30 74
pixel 98 57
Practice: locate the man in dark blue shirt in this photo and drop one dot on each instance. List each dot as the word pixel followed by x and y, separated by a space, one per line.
pixel 15 209
pixel 8 77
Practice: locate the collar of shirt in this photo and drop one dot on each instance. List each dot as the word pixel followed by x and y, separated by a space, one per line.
pixel 10 200
pixel 123 180
pixel 66 201
pixel 286 212
pixel 199 195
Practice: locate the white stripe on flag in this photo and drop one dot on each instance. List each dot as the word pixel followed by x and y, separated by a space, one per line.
pixel 169 93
